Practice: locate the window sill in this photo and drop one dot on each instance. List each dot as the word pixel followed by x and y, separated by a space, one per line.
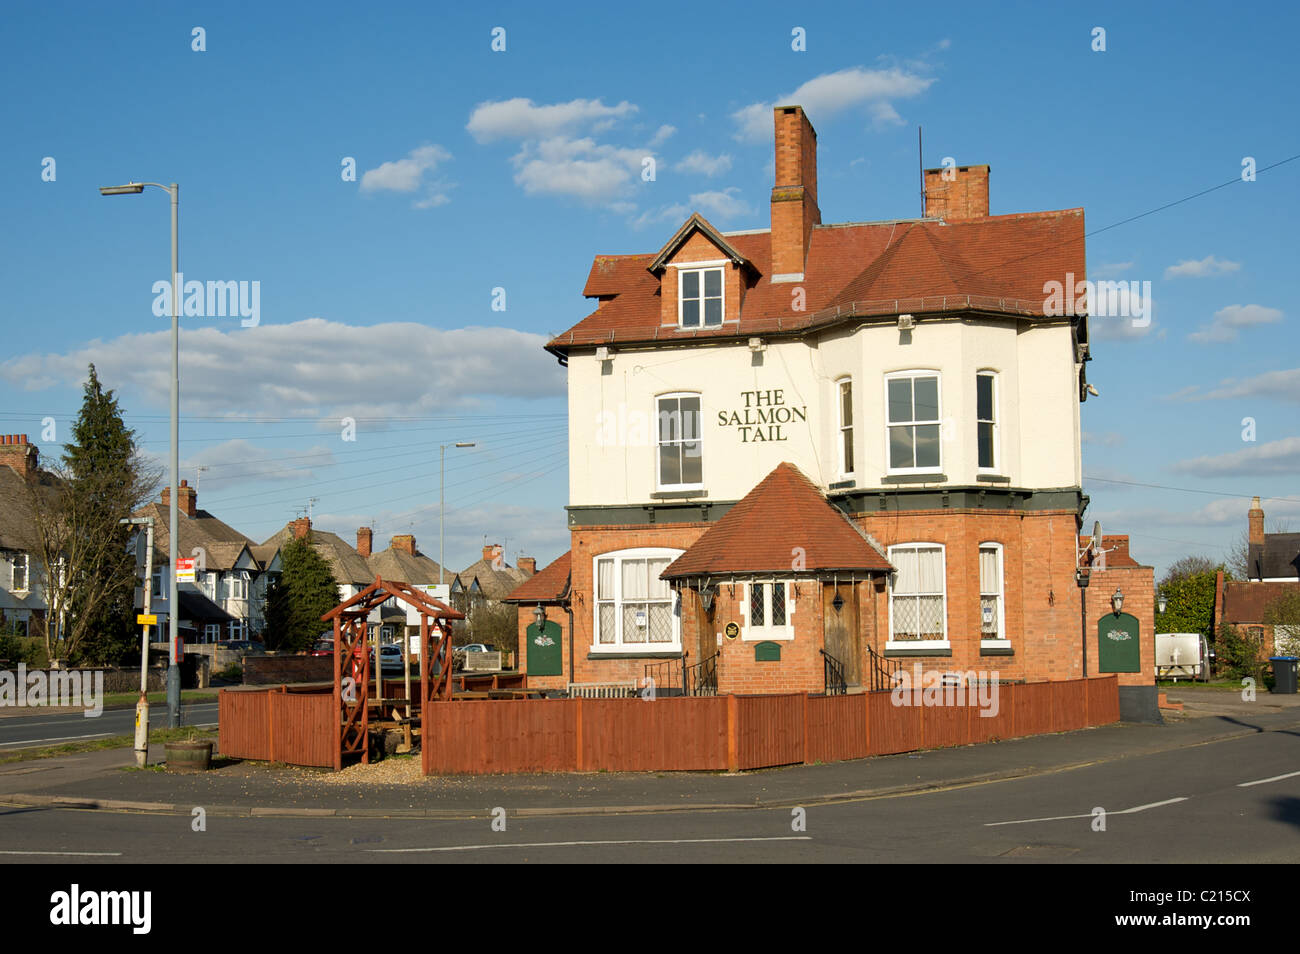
pixel 996 647
pixel 925 478
pixel 679 494
pixel 846 484
pixel 758 635
pixel 899 651
pixel 623 654
pixel 992 478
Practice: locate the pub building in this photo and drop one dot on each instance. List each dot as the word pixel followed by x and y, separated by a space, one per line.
pixel 857 441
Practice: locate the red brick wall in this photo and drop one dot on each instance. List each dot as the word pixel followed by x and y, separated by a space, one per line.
pixel 1041 613
pixel 794 195
pixel 1138 585
pixel 963 197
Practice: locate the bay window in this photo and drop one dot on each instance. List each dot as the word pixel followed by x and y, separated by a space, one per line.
pixel 769 611
pixel 20 575
pixel 992 600
pixel 845 394
pixel 986 419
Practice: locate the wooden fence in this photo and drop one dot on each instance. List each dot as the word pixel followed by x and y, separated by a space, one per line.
pixel 276 725
pixel 734 733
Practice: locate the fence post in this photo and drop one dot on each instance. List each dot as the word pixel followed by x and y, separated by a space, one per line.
pixel 804 696
pixel 733 752
pixel 579 755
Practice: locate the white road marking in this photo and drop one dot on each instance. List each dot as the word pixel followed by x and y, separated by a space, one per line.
pixel 581 844
pixel 78 854
pixel 1125 811
pixel 1262 781
pixel 63 738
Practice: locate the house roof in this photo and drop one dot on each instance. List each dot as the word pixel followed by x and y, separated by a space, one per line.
pixel 196 606
pixel 784 525
pixel 549 585
pixel 997 264
pixel 697 223
pixel 494 584
pixel 221 543
pixel 347 565
pixel 397 564
pixel 1245 601
pixel 1278 557
pixel 15 509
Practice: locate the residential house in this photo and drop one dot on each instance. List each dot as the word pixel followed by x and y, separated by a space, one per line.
pixel 22 598
pixel 402 562
pixel 857 441
pixel 228 596
pixel 1273 565
pixel 350 570
pixel 488 580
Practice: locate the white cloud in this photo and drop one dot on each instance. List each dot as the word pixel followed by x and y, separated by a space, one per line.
pixel 702 163
pixel 1106 439
pixel 305 369
pixel 580 168
pixel 1274 457
pixel 662 135
pixel 1271 385
pixel 1227 322
pixel 407 175
pixel 831 93
pixel 1204 268
pixel 1110 270
pixel 239 461
pixel 715 206
pixel 521 118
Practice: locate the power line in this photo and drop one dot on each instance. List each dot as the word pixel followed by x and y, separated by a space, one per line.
pixel 1189 490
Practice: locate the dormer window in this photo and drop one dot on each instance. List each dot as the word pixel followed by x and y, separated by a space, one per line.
pixel 700 297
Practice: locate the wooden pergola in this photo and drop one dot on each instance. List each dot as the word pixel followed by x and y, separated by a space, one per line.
pixel 351 638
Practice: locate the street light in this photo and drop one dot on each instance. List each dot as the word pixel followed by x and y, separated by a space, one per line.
pixel 442 509
pixel 173 669
pixel 142 706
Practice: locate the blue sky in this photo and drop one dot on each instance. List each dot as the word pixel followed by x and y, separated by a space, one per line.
pixel 478 170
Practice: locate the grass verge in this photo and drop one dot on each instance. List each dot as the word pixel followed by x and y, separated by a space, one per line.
pixel 159 698
pixel 156 737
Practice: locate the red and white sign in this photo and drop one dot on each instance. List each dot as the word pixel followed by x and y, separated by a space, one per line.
pixel 185 569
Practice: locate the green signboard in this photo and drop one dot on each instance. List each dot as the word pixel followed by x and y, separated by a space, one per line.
pixel 544 658
pixel 1118 646
pixel 767 652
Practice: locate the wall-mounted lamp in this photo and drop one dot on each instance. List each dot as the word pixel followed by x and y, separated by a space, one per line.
pixel 1161 603
pixel 539 614
pixel 1117 600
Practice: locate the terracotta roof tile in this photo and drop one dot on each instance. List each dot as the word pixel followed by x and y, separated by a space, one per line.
pixel 999 263
pixel 545 586
pixel 1245 602
pixel 767 529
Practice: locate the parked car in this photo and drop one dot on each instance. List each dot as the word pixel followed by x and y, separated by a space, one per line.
pixel 323 647
pixel 245 646
pixel 390 657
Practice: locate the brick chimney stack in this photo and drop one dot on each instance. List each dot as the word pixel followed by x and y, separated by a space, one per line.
pixel 404 542
pixel 186 499
pixel 957 193
pixel 528 565
pixel 18 455
pixel 794 196
pixel 300 527
pixel 491 552
pixel 1255 522
pixel 365 536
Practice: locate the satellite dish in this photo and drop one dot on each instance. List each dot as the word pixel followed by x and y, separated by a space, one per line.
pixel 1096 537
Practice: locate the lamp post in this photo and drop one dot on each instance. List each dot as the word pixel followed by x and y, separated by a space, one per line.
pixel 173 669
pixel 1082 576
pixel 142 706
pixel 442 508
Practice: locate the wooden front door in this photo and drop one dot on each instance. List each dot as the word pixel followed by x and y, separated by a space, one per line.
pixel 841 634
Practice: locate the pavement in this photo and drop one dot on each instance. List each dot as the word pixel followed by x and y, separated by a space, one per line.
pixel 108 780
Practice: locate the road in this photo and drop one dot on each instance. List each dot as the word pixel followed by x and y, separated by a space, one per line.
pixel 52 728
pixel 1231 801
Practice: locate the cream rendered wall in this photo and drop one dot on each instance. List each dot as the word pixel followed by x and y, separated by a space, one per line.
pixel 612 426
